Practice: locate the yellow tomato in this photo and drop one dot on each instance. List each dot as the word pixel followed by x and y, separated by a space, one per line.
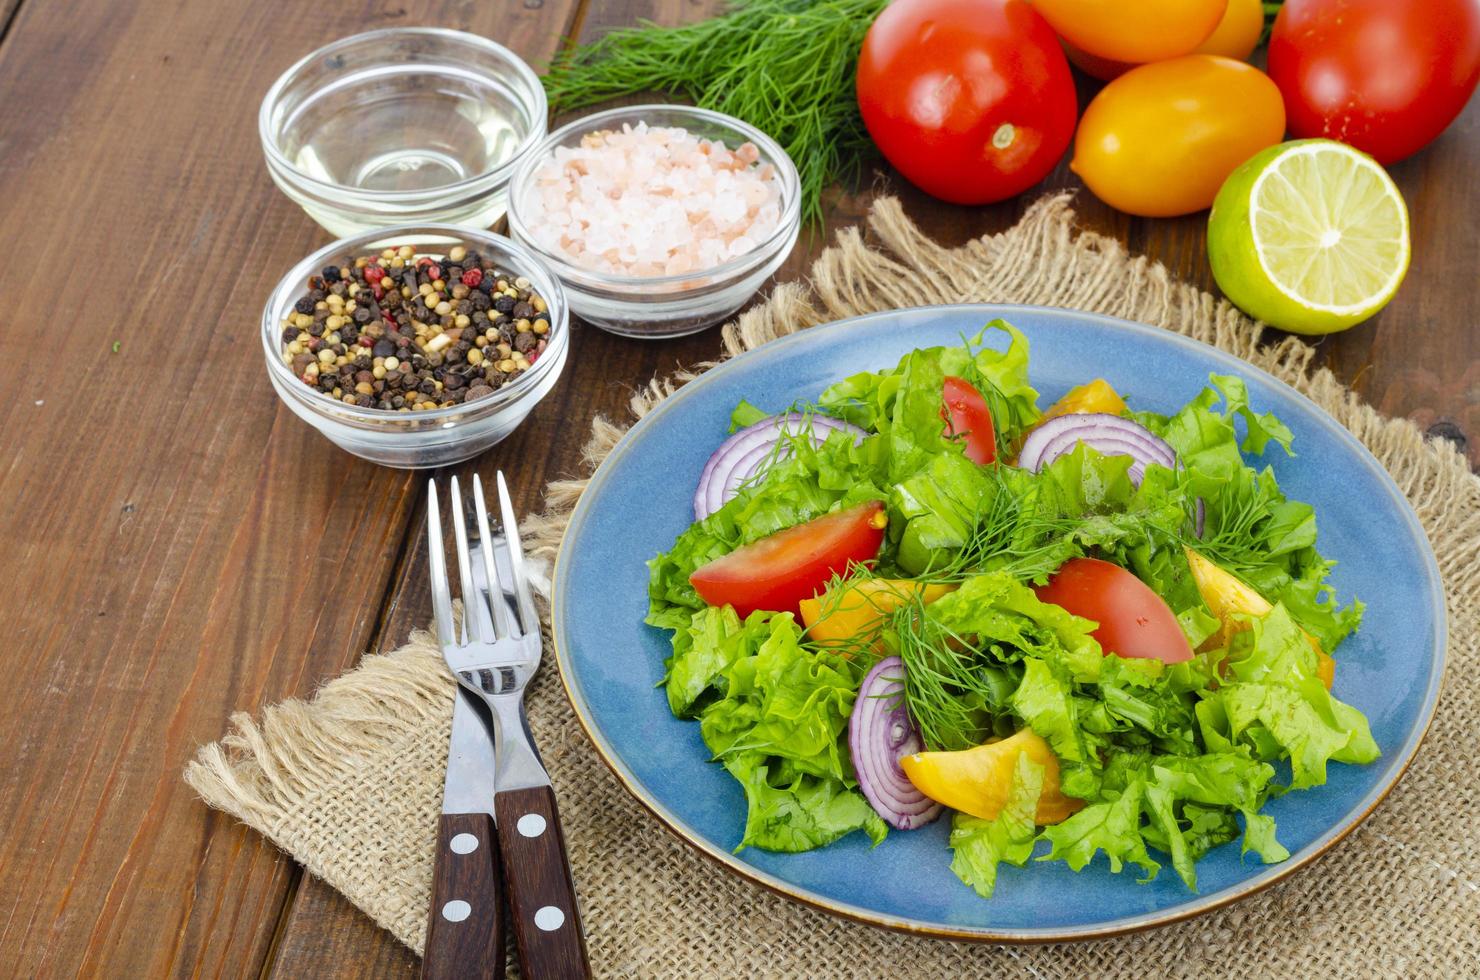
pixel 1230 598
pixel 853 614
pixel 1236 36
pixel 1161 139
pixel 978 781
pixel 1133 30
pixel 1089 398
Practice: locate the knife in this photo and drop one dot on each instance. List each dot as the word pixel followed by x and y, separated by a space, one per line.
pixel 465 928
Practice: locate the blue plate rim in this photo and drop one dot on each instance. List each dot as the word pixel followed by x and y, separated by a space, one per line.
pixel 1199 904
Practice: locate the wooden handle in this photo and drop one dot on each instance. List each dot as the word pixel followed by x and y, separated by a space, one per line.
pixel 542 896
pixel 465 936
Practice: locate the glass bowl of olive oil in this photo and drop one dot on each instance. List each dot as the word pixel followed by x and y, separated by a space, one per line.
pixel 402 125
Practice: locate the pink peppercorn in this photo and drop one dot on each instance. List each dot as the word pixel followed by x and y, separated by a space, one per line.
pixel 374 273
pixel 472 278
pixel 365 341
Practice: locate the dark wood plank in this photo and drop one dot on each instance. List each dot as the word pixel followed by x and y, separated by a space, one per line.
pixel 190 549
pixel 8 10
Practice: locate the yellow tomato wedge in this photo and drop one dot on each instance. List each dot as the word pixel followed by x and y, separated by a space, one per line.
pixel 853 614
pixel 1227 595
pixel 1095 396
pixel 978 781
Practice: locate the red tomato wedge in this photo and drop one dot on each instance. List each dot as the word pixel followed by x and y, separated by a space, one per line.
pixel 1134 621
pixel 967 417
pixel 780 570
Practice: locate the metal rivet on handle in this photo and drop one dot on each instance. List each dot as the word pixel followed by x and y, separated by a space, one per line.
pixel 463 844
pixel 457 910
pixel 531 825
pixel 549 918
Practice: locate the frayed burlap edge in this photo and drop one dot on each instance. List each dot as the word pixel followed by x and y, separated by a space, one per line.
pixel 349 783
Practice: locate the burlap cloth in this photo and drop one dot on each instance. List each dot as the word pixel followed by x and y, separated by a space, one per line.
pixel 350 783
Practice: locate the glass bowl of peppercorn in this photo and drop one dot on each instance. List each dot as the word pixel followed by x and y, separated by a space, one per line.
pixel 416 346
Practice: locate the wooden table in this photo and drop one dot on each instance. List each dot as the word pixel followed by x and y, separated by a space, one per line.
pixel 181 547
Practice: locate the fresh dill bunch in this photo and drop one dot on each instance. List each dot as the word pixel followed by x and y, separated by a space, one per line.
pixel 787 67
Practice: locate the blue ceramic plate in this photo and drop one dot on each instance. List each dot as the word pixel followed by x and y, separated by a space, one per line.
pixel 640 500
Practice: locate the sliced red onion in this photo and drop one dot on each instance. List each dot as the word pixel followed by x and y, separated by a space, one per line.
pixel 747 452
pixel 880 733
pixel 1105 433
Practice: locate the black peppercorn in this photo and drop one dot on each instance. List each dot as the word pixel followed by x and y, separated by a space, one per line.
pixel 399 352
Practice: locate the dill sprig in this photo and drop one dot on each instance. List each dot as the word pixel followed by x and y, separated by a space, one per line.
pixel 953 693
pixel 787 67
pixel 1008 536
pixel 1237 542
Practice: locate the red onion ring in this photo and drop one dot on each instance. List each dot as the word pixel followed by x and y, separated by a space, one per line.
pixel 746 453
pixel 880 733
pixel 1105 433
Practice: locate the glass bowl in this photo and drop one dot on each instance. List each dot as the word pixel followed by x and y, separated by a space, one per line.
pixel 437 437
pixel 662 306
pixel 402 125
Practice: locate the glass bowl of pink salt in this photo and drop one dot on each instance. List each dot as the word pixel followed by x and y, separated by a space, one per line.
pixel 659 220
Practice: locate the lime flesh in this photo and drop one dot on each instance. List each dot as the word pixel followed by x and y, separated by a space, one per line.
pixel 1309 236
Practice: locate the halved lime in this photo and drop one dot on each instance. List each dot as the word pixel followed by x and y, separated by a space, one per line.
pixel 1310 236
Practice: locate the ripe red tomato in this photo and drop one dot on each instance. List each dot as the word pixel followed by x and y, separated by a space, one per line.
pixel 968 417
pixel 1134 621
pixel 1385 76
pixel 971 102
pixel 780 570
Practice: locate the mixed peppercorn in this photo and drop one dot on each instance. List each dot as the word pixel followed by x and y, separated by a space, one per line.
pixel 404 333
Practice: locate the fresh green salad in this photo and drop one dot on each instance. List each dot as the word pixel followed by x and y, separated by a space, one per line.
pixel 1092 626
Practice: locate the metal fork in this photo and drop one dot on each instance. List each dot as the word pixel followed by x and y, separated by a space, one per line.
pixel 494 657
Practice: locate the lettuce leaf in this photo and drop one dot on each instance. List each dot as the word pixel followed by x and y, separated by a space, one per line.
pixel 979 845
pixel 904 403
pixel 798 812
pixel 704 650
pixel 1276 706
pixel 1251 528
pixel 1112 827
pixel 775 713
pixel 1190 802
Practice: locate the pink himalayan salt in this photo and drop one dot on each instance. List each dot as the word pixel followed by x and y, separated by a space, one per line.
pixel 653 201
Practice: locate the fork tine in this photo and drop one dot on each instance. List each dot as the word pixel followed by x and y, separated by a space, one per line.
pixel 502 627
pixel 516 557
pixel 441 592
pixel 472 625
